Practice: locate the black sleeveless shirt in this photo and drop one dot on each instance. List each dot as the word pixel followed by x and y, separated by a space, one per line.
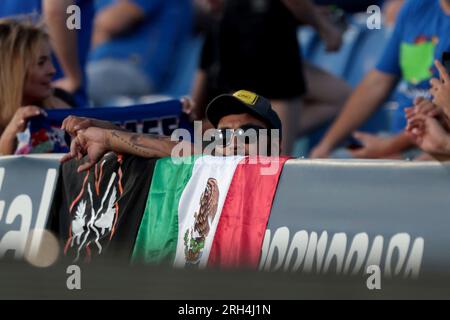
pixel 254 47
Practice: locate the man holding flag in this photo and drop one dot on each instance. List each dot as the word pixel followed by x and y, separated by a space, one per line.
pixel 201 211
pixel 236 117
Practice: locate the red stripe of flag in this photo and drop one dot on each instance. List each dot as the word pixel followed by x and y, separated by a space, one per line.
pixel 245 215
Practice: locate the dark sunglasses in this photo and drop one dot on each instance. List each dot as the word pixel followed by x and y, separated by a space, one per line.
pixel 246 134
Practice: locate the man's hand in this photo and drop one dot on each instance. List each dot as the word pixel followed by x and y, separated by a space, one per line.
pixel 73 124
pixel 440 89
pixel 429 135
pixel 320 152
pixel 190 108
pixel 427 108
pixel 366 98
pixel 93 143
pixel 374 147
pixel 308 13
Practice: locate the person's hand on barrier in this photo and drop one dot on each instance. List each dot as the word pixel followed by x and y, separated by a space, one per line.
pixel 320 152
pixel 440 89
pixel 426 107
pixel 73 124
pixel 92 143
pixel 20 119
pixel 429 135
pixel 373 146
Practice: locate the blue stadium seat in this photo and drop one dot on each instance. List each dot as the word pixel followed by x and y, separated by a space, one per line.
pixel 336 62
pixel 308 39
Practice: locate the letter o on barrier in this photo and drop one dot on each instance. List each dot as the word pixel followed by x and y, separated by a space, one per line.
pixel 280 243
pixel 300 243
pixel 401 243
pixel 358 248
pixel 337 250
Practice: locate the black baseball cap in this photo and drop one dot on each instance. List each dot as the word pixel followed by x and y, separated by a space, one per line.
pixel 243 102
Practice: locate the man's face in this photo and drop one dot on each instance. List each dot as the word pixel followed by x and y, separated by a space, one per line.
pixel 240 134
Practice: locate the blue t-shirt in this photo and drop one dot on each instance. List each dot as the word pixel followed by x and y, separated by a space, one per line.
pixel 12 8
pixel 421 35
pixel 153 43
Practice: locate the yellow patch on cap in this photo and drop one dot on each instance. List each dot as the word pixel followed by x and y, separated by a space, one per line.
pixel 246 97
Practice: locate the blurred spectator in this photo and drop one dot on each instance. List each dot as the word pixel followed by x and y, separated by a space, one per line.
pixel 391 10
pixel 429 121
pixel 135 42
pixel 71 47
pixel 238 132
pixel 420 37
pixel 429 134
pixel 25 84
pixel 325 96
pixel 254 46
pixel 440 89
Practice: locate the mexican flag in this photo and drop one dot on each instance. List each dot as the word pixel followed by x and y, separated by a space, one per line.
pixel 208 211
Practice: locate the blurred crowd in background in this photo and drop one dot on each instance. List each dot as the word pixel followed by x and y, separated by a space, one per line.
pixel 325 72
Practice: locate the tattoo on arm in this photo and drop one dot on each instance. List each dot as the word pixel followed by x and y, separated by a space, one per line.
pixel 134 142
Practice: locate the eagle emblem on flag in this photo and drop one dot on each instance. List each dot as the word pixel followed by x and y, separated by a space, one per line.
pixel 194 237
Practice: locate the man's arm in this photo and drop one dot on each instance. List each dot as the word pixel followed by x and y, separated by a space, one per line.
pixel 96 142
pixel 370 94
pixel 115 20
pixel 146 146
pixel 306 12
pixel 64 42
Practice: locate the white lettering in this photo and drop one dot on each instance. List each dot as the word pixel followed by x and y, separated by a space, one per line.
pixel 374 20
pixel 300 244
pixel 74 280
pixel 374 280
pixel 73 22
pixel 16 240
pixel 336 251
pixel 280 244
pixel 307 250
pixel 358 248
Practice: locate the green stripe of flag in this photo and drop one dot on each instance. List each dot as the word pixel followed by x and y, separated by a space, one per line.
pixel 158 234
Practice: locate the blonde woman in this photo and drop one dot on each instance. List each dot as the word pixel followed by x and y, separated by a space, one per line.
pixel 26 72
